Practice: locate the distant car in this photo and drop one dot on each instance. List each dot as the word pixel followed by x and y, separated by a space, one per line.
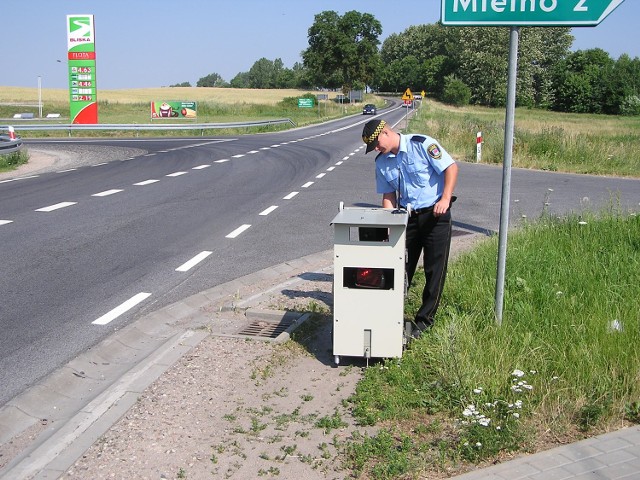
pixel 369 109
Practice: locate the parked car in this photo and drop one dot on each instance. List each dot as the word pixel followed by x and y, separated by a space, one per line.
pixel 369 109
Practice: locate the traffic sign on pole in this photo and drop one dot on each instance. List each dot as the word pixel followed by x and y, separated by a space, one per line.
pixel 541 13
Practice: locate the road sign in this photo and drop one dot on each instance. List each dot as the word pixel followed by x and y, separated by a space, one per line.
pixel 305 102
pixel 543 13
pixel 407 95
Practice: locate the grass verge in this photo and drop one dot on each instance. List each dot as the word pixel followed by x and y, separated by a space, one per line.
pixel 563 365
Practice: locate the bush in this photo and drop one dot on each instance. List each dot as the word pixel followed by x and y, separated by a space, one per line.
pixel 630 106
pixel 456 92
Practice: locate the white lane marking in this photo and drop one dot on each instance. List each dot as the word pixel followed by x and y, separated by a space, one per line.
pixel 163 151
pixel 290 196
pixel 268 210
pixel 331 169
pixel 67 170
pixel 99 164
pixel 193 262
pixel 146 182
pixel 265 148
pixel 345 158
pixel 176 174
pixel 320 175
pixel 352 154
pixel 222 161
pixel 339 163
pixel 126 306
pixel 253 151
pixel 149 155
pixel 20 178
pixel 238 231
pixel 274 146
pixel 200 167
pixel 4 222
pixel 106 193
pixel 240 155
pixel 307 185
pixel 51 208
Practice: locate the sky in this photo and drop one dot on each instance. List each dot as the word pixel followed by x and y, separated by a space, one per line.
pixel 156 43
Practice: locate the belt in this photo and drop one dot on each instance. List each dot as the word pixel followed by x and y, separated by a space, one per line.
pixel 418 211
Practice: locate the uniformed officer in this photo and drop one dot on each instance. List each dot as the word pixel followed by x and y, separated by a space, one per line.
pixel 416 170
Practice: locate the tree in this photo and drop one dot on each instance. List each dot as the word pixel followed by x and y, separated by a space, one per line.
pixel 211 80
pixel 342 50
pixel 183 84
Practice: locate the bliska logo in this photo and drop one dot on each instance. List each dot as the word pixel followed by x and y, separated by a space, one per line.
pixel 80 30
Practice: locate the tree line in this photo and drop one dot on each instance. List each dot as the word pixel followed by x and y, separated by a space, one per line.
pixel 457 65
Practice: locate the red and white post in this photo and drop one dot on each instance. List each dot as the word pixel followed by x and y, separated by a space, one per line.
pixel 12 133
pixel 478 147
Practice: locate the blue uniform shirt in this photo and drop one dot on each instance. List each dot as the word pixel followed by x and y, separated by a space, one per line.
pixel 416 173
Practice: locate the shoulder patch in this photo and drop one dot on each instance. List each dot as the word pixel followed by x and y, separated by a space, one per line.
pixel 434 151
pixel 418 138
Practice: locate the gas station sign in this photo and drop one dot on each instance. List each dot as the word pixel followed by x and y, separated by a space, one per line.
pixel 81 55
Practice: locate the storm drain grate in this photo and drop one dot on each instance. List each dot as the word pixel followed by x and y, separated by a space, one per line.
pixel 265 329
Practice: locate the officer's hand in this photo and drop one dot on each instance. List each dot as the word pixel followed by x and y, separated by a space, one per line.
pixel 441 207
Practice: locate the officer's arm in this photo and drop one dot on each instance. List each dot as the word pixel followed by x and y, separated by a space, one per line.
pixel 450 179
pixel 389 200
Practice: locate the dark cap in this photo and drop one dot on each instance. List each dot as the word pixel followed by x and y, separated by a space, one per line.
pixel 370 133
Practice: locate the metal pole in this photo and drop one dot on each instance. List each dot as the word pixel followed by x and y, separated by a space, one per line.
pixel 506 170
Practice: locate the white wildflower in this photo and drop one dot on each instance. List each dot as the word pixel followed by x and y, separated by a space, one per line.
pixel 477 390
pixel 582 222
pixel 517 373
pixel 516 414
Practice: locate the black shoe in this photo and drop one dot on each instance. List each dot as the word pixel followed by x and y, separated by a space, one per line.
pixel 421 326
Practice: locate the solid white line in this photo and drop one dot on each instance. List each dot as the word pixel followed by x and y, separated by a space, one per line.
pixel 194 261
pixel 147 182
pixel 238 231
pixel 307 185
pixel 290 196
pixel 116 312
pixel 268 210
pixel 106 192
pixel 51 208
pixel 4 222
pixel 222 161
pixel 320 175
pixel 200 167
pixel 176 174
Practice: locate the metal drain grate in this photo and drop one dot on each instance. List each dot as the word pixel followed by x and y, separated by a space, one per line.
pixel 265 329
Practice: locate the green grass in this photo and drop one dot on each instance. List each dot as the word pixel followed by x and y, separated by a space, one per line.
pixel 10 161
pixel 563 364
pixel 593 144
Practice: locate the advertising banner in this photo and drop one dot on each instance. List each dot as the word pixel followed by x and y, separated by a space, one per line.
pixel 173 109
pixel 81 55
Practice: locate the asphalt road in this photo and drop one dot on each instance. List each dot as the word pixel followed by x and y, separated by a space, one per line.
pixel 90 250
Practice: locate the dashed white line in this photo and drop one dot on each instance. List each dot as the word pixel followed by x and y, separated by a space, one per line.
pixel 339 163
pixel 99 164
pixel 149 155
pixel 176 174
pixel 265 148
pixel 222 160
pixel 4 222
pixel 106 193
pixel 268 210
pixel 67 170
pixel 240 155
pixel 126 306
pixel 200 167
pixel 146 182
pixel 238 231
pixel 345 158
pixel 274 146
pixel 253 151
pixel 307 185
pixel 320 175
pixel 290 196
pixel 331 169
pixel 57 206
pixel 193 262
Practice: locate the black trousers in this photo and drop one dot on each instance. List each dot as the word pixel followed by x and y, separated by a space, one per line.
pixel 430 236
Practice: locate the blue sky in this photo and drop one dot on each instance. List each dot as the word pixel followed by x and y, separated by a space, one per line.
pixel 154 43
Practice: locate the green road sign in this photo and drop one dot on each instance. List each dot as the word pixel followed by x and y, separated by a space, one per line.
pixel 305 102
pixel 543 13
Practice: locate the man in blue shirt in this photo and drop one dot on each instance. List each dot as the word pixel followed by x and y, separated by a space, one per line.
pixel 415 170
